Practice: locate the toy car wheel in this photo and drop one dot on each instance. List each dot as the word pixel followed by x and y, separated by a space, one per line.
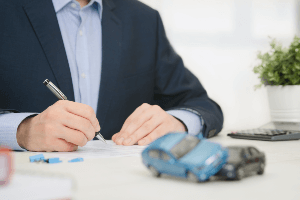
pixel 154 171
pixel 239 173
pixel 261 168
pixel 192 177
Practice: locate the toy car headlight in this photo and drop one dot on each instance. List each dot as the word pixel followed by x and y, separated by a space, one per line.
pixel 229 167
pixel 210 160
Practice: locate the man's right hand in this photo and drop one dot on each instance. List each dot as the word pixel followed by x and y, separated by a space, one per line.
pixel 61 127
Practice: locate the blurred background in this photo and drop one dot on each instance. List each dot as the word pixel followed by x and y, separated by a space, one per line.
pixel 219 40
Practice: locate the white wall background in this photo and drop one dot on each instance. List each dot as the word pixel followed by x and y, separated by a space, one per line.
pixel 219 40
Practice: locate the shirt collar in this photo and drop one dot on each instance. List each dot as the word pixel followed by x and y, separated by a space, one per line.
pixel 99 1
pixel 59 4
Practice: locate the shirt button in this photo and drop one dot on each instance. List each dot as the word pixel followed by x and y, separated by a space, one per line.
pixel 83 75
pixel 80 33
pixel 73 5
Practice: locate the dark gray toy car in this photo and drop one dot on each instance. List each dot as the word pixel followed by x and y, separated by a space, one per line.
pixel 242 161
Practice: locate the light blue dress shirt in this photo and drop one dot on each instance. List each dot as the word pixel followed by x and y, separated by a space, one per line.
pixel 82 36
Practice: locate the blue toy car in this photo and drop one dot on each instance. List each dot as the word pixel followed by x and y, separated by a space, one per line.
pixel 183 155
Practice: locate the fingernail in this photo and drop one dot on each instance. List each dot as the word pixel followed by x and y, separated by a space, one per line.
pixel 128 140
pixel 120 140
pixel 142 141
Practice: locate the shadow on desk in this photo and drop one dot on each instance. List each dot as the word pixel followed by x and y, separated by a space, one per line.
pixel 212 179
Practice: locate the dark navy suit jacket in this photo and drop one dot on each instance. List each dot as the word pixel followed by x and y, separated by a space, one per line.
pixel 139 65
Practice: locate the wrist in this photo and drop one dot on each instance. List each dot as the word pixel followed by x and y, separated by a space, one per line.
pixel 184 127
pixel 22 131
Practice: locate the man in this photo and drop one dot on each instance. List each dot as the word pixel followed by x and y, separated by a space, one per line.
pixel 111 59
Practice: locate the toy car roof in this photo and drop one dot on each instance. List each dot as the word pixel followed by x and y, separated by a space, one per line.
pixel 167 141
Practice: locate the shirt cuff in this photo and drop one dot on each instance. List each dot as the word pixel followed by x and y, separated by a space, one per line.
pixel 9 124
pixel 193 122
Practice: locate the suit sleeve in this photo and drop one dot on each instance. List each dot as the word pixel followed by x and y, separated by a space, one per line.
pixel 178 89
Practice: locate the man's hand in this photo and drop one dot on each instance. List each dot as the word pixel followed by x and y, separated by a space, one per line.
pixel 62 127
pixel 146 124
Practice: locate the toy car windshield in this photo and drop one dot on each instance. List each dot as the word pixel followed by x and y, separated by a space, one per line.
pixel 235 154
pixel 184 146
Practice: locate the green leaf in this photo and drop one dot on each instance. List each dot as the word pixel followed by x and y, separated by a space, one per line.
pixel 279 66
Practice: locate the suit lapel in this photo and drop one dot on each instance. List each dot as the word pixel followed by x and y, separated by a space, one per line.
pixel 111 55
pixel 44 22
pixel 43 19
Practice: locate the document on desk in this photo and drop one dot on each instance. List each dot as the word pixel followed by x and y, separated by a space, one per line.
pixel 98 149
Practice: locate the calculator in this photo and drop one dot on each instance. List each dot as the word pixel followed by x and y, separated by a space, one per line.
pixel 273 131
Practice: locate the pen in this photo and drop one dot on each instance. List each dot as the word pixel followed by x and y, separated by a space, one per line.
pixel 61 96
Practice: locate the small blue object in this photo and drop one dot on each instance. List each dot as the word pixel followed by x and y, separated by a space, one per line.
pixel 37 158
pixel 76 160
pixel 53 160
pixel 183 155
pixel 200 136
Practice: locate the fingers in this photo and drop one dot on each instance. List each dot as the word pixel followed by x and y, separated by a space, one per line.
pixel 81 110
pixel 158 132
pixel 147 128
pixel 146 124
pixel 62 146
pixel 75 122
pixel 142 122
pixel 134 115
pixel 134 118
pixel 115 136
pixel 72 136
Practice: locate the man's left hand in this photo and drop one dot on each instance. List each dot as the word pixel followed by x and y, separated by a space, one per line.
pixel 146 124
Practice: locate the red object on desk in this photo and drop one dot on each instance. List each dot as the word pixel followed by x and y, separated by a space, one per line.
pixel 6 165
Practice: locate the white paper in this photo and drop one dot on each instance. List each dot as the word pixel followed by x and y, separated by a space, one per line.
pixel 31 187
pixel 98 149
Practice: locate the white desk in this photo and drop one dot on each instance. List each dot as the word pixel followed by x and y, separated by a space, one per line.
pixel 128 178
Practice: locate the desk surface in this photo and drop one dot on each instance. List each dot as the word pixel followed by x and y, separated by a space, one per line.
pixel 127 177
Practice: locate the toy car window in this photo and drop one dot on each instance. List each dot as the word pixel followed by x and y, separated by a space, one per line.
pixel 246 153
pixel 184 146
pixel 165 156
pixel 154 153
pixel 254 151
pixel 234 154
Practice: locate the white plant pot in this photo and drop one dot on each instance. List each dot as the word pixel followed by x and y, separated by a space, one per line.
pixel 284 103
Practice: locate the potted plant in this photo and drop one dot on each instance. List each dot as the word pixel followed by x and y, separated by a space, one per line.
pixel 279 71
